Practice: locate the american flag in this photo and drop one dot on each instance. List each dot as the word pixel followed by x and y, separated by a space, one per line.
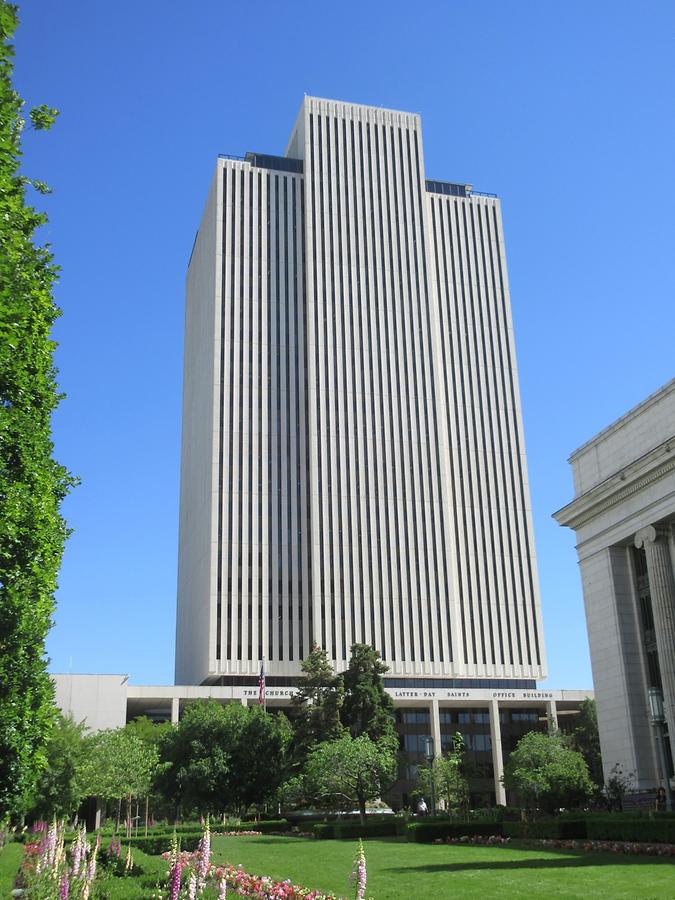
pixel 261 685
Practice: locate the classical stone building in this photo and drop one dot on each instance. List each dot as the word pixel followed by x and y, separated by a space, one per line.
pixel 623 514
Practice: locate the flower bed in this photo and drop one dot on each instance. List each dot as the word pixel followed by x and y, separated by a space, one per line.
pixel 629 847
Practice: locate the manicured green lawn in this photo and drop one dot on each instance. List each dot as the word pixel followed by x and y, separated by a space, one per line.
pixel 398 870
pixel 10 860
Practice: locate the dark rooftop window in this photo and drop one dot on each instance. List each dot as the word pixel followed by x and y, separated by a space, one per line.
pixel 280 163
pixel 448 188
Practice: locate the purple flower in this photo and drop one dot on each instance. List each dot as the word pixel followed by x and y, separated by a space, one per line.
pixel 64 887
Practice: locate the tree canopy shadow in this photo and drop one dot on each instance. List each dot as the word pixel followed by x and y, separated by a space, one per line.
pixel 564 861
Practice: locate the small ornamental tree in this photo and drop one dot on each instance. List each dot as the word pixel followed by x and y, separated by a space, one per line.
pixel 450 783
pixel 32 484
pixel 546 774
pixel 350 771
pixel 56 793
pixel 117 765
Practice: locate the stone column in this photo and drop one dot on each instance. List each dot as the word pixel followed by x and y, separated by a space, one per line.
pixel 497 758
pixel 552 715
pixel 435 714
pixel 436 727
pixel 175 710
pixel 662 591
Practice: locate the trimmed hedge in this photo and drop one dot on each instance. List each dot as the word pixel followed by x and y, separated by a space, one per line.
pixel 426 832
pixel 355 830
pixel 385 826
pixel 597 827
pixel 265 826
pixel 154 845
pixel 631 828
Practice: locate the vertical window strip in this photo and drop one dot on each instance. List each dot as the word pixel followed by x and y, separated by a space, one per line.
pixel 287 422
pixel 319 440
pixel 381 493
pixel 494 437
pixel 271 300
pixel 417 440
pixel 354 299
pixel 242 390
pixel 330 570
pixel 261 382
pixel 308 592
pixel 344 299
pixel 299 536
pixel 439 236
pixel 526 556
pixel 399 646
pixel 428 394
pixel 364 325
pixel 230 469
pixel 516 555
pixel 251 422
pixel 221 412
pixel 332 351
pixel 397 267
pixel 467 526
pixel 476 430
pixel 485 401
pixel 279 574
pixel 510 597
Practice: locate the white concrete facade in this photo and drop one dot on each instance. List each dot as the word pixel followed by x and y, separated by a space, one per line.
pixel 624 518
pixel 76 696
pixel 353 464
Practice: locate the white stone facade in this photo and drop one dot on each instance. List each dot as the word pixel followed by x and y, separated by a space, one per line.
pixel 493 705
pixel 624 515
pixel 353 464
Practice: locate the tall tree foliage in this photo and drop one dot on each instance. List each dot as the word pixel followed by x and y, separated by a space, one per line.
pixel 350 771
pixel 367 708
pixel 316 705
pixel 586 740
pixel 546 774
pixel 223 757
pixel 32 484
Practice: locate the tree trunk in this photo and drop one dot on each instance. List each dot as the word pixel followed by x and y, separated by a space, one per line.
pixel 147 801
pixel 362 809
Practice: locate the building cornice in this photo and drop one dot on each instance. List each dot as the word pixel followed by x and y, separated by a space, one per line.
pixel 636 476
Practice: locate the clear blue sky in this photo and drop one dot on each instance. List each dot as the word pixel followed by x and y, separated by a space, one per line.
pixel 566 110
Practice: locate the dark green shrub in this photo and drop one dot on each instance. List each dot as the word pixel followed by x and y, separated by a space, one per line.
pixel 426 832
pixel 324 831
pixel 354 830
pixel 154 845
pixel 631 828
pixel 264 826
pixel 534 830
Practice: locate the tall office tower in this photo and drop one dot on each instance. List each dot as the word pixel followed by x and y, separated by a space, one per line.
pixel 353 467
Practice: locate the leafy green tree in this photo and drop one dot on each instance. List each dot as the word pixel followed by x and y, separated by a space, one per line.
pixel 545 773
pixel 316 706
pixel 56 793
pixel 586 740
pixel 224 757
pixel 116 765
pixel 350 771
pixel 450 783
pixel 148 731
pixel 367 708
pixel 32 484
